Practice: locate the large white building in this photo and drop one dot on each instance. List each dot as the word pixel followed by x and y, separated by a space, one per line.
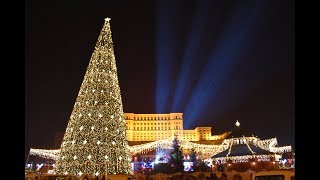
pixel 153 127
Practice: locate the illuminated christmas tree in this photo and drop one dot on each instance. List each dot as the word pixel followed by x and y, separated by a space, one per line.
pixel 176 156
pixel 95 141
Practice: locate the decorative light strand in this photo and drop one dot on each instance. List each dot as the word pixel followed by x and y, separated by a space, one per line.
pixel 248 146
pixel 167 144
pixel 246 158
pixel 230 146
pixel 45 153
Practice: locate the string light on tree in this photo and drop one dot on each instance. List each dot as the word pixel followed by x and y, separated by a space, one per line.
pixel 94 119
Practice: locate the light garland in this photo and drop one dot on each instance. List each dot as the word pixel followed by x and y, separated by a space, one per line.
pixel 281 150
pixel 45 153
pixel 245 141
pixel 206 150
pixel 270 145
pixel 267 144
pixel 144 148
pixel 231 143
pixel 245 158
pixel 96 127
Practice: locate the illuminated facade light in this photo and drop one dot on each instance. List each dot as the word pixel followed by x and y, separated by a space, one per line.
pixel 153 127
pixel 237 123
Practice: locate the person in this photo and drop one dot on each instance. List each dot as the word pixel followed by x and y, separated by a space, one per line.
pixel 224 176
pixel 235 177
pixel 213 176
pixel 239 176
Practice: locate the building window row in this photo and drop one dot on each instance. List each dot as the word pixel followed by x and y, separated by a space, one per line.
pixel 151 123
pixel 152 118
pixel 151 128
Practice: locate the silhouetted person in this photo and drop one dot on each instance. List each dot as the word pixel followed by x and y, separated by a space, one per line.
pixel 224 176
pixel 239 176
pixel 235 177
pixel 213 176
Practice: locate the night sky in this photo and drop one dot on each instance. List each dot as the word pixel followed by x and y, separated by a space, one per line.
pixel 214 61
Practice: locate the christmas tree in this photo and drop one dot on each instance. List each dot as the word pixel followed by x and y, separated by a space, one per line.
pixel 193 156
pixel 95 139
pixel 176 156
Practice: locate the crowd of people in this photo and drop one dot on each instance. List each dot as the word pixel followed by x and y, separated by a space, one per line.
pixel 213 176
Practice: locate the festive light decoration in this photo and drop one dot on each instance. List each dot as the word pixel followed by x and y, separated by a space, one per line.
pixel 167 144
pixel 96 128
pixel 206 150
pixel 244 139
pixel 271 145
pixel 237 123
pixel 268 144
pixel 45 153
pixel 229 151
pixel 246 158
pixel 144 148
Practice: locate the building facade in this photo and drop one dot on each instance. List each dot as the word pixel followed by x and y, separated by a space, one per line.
pixel 153 127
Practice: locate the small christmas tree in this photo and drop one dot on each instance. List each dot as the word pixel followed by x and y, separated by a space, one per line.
pixel 176 157
pixel 193 158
